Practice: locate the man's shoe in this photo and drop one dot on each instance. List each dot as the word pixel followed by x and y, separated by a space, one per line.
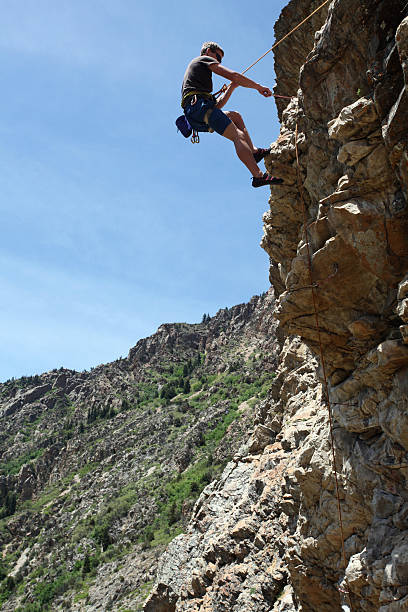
pixel 266 179
pixel 260 154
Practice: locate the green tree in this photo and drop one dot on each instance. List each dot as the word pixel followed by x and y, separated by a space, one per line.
pixel 168 391
pixel 174 514
pixel 148 536
pixel 125 404
pixel 86 568
pixel 101 534
pixel 11 502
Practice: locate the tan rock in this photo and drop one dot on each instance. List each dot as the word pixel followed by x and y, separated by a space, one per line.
pixel 366 327
pixel 353 152
pixel 392 355
pixel 356 120
pixel 245 528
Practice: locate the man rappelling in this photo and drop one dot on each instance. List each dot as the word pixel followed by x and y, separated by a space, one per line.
pixel 204 114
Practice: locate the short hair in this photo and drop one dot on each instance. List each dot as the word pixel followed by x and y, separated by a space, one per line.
pixel 212 46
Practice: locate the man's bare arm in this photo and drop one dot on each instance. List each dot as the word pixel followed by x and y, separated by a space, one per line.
pixel 239 79
pixel 226 95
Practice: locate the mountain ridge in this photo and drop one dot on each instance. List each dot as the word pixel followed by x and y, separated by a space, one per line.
pixel 103 467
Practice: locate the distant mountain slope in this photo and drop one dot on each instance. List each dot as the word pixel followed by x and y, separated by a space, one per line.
pixel 100 469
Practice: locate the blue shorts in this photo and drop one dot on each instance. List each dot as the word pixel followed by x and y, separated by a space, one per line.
pixel 218 120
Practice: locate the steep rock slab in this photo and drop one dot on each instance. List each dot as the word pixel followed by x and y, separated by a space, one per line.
pixel 350 170
pixel 352 142
pixel 233 556
pixel 243 542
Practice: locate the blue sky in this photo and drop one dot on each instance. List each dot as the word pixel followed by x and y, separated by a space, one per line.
pixel 112 222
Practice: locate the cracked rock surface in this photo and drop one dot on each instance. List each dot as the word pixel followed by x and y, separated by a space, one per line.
pixel 266 536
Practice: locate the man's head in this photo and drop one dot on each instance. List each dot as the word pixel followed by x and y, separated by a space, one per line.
pixel 213 50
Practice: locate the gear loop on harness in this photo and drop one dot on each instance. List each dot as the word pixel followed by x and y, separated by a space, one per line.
pixel 195 137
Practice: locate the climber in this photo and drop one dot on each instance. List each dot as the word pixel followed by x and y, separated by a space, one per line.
pixel 204 113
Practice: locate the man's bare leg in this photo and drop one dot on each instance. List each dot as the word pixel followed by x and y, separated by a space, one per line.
pixel 239 122
pixel 242 148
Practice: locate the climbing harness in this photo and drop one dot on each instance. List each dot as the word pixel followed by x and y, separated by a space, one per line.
pixel 195 137
pixel 203 94
pixel 182 122
pixel 313 287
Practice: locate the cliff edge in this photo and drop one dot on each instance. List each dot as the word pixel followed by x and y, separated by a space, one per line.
pixel 266 535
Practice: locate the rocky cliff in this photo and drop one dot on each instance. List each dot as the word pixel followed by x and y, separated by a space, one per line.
pixel 99 470
pixel 211 443
pixel 266 535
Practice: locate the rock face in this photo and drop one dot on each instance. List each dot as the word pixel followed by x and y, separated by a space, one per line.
pixel 351 116
pixel 100 469
pixel 193 441
pixel 266 536
pixel 232 555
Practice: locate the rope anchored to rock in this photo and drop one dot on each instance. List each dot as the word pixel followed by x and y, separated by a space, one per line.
pixel 274 47
pixel 317 284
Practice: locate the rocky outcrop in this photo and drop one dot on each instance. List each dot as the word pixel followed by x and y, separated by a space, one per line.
pixel 352 146
pixel 100 469
pixel 232 555
pixel 104 468
pixel 351 113
pixel 290 54
pixel 267 535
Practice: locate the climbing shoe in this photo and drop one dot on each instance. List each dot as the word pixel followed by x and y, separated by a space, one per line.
pixel 266 179
pixel 260 154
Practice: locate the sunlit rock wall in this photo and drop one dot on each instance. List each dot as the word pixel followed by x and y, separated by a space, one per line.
pixel 351 113
pixel 266 536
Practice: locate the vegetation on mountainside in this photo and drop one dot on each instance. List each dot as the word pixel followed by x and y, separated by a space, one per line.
pixel 142 449
pixel 13 384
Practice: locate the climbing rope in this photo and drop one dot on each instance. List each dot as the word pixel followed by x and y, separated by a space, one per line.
pixel 286 35
pixel 274 47
pixel 320 282
pixel 313 287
